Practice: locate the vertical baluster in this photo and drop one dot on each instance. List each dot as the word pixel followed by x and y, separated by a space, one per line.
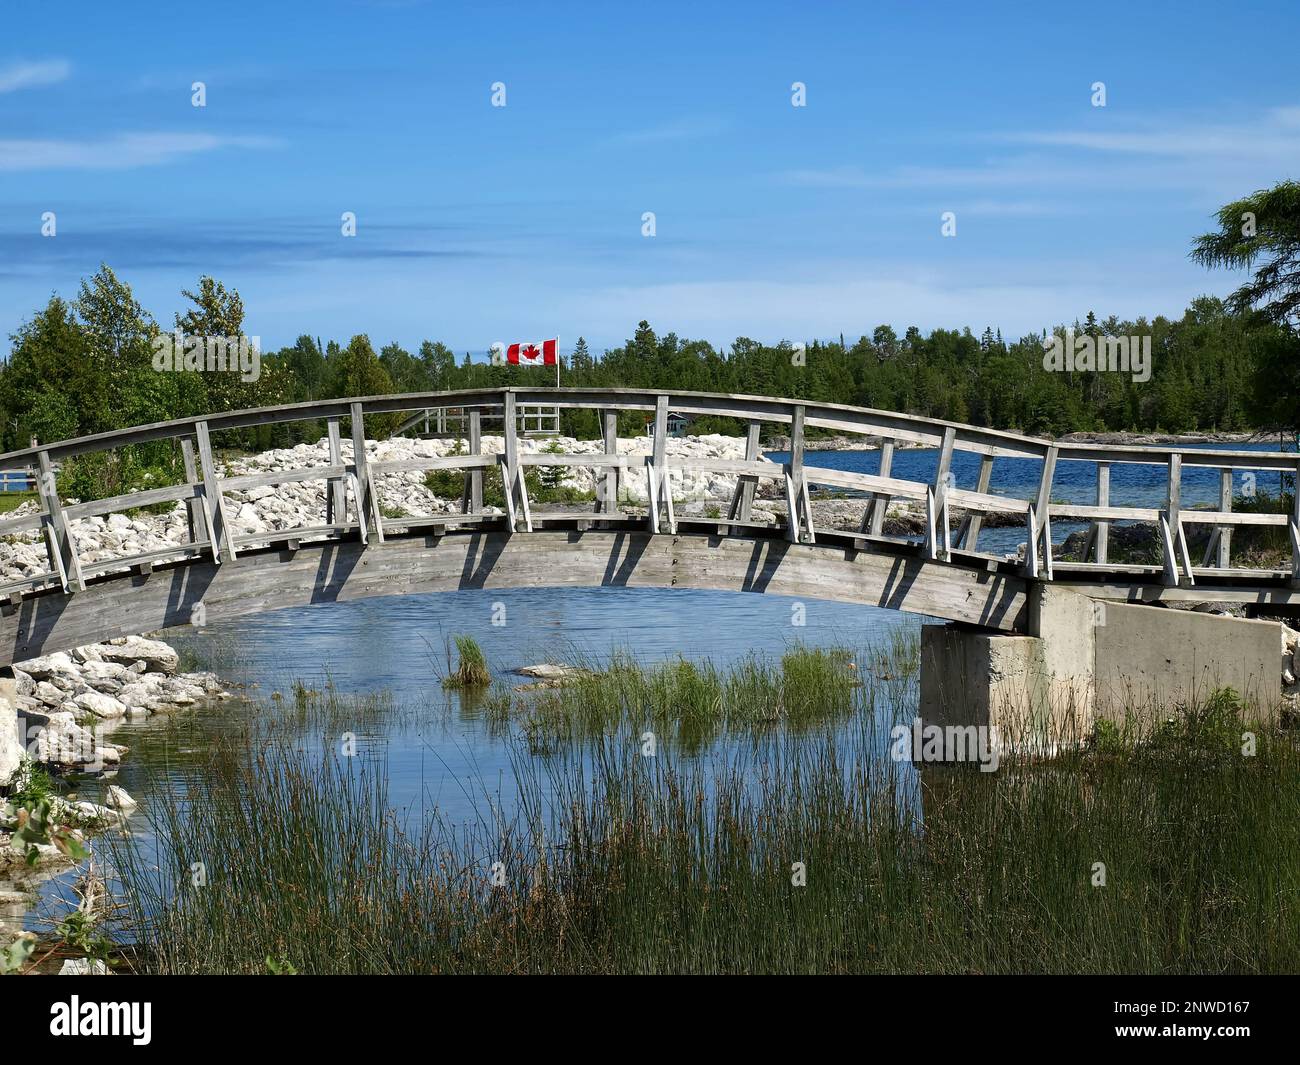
pixel 607 493
pixel 512 474
pixel 1170 519
pixel 59 542
pixel 369 516
pixel 939 546
pixel 1224 560
pixel 873 518
pixel 799 524
pixel 969 534
pixel 471 500
pixel 742 499
pixel 1101 535
pixel 193 508
pixel 1040 520
pixel 336 495
pixel 657 481
pixel 220 528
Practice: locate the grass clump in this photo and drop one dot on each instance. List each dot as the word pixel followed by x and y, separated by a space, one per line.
pixel 471 670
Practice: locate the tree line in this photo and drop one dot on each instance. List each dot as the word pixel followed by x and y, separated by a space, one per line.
pixel 86 365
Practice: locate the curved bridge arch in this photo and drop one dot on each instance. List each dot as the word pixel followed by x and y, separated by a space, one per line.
pixel 359 551
pixel 274 578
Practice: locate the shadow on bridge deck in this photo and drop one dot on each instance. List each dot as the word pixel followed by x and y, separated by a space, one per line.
pixel 568 552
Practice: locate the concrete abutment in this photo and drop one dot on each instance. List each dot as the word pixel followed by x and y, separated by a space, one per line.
pixel 1087 660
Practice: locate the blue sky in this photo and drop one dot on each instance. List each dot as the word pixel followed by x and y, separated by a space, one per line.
pixel 478 223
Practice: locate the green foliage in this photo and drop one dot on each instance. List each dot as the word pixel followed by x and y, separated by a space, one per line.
pixel 38 826
pixel 472 670
pixel 14 956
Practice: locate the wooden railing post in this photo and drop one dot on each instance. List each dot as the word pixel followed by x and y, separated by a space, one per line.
pixel 937 543
pixel 369 516
pixel 471 498
pixel 659 489
pixel 336 495
pixel 1099 534
pixel 59 542
pixel 799 523
pixel 1172 537
pixel 1040 521
pixel 221 533
pixel 193 508
pixel 873 518
pixel 512 474
pixel 607 487
pixel 742 499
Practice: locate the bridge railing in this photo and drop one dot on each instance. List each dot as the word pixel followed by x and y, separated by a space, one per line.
pixel 352 509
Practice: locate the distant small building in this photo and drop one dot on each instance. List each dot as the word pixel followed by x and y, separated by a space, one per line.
pixel 677 425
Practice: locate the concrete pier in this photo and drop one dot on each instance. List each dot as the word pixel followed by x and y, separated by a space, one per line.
pixel 1087 660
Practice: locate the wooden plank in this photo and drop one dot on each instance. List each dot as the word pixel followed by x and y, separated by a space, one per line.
pixel 873 518
pixel 274 478
pixel 1167 552
pixel 657 471
pixel 836 417
pixel 368 513
pixel 742 498
pixel 799 515
pixel 432 462
pixel 607 485
pixel 969 534
pixel 512 473
pixel 1081 511
pixel 1224 558
pixel 938 498
pixel 133 499
pixel 193 508
pixel 1041 515
pixel 336 496
pixel 476 449
pixel 1031 545
pixel 60 545
pixel 931 525
pixel 220 531
pixel 25 523
pixel 1101 528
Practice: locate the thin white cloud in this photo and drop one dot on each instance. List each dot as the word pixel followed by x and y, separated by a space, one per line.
pixel 26 75
pixel 125 151
pixel 1207 160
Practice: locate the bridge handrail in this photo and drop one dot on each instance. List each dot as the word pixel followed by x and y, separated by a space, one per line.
pixel 203 491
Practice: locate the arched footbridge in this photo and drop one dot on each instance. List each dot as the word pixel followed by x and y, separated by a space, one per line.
pixel 355 550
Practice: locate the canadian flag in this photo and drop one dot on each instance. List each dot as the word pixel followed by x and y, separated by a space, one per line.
pixel 544 354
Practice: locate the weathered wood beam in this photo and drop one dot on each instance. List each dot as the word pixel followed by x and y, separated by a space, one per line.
pixel 59 542
pixel 220 530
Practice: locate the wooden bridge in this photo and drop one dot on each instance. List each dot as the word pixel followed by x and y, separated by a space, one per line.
pixel 356 551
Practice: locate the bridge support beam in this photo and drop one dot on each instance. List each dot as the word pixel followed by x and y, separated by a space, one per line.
pixel 1086 660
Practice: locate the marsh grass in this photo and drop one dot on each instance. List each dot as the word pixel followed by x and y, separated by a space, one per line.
pixel 683 862
pixel 471 669
pixel 693 703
